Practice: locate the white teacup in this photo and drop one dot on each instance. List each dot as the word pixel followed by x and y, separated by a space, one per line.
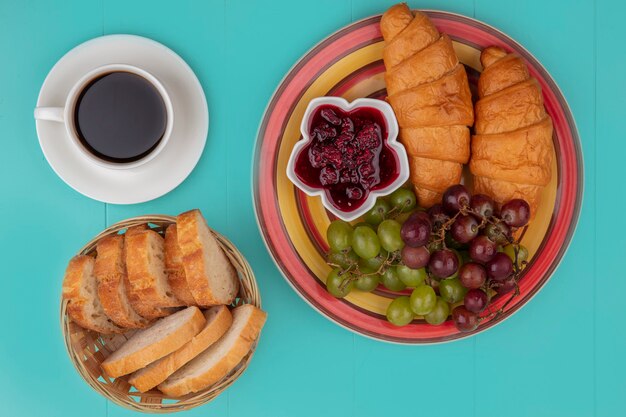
pixel 65 114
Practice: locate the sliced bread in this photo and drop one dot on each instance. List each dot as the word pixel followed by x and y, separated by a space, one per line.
pixel 221 357
pixel 110 272
pixel 152 343
pixel 218 320
pixel 211 277
pixel 175 269
pixel 145 308
pixel 145 263
pixel 81 290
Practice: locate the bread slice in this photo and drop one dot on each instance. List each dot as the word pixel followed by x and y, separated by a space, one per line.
pixel 81 290
pixel 175 268
pixel 110 272
pixel 145 262
pixel 136 229
pixel 221 358
pixel 147 310
pixel 218 320
pixel 148 345
pixel 211 277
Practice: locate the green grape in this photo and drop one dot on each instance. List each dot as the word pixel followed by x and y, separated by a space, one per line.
pixel 439 314
pixel 378 213
pixel 367 283
pixel 389 235
pixel 423 300
pixel 391 280
pixel 365 242
pixel 343 259
pixel 399 311
pixel 403 199
pixel 522 254
pixel 411 277
pixel 366 225
pixel 339 235
pixel 403 217
pixel 452 290
pixel 373 264
pixel 334 283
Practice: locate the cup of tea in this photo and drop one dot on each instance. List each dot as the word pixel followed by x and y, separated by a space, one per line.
pixel 118 116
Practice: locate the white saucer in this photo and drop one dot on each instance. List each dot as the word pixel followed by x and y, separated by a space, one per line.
pixel 154 178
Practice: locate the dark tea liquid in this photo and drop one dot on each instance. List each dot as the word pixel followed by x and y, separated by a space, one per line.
pixel 120 117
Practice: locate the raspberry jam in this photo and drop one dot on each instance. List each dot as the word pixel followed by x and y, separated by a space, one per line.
pixel 348 156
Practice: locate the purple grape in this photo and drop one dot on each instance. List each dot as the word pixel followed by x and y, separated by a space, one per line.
pixel 464 320
pixel 505 286
pixel 500 267
pixel 464 229
pixel 472 275
pixel 475 300
pixel 443 263
pixel 415 258
pixel 454 198
pixel 515 213
pixel 482 249
pixel 482 205
pixel 437 216
pixel 416 229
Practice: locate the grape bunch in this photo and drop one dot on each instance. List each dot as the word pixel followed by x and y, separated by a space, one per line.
pixel 454 257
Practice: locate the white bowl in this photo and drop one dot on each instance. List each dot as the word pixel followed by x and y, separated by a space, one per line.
pixel 391 141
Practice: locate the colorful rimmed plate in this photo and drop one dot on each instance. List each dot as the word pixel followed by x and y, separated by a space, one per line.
pixel 349 64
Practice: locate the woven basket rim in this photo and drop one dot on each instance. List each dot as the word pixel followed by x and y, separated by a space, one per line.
pixel 248 290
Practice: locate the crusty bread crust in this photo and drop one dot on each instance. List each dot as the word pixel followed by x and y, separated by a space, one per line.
pixel 110 271
pixel 211 283
pixel 175 268
pixel 180 384
pixel 122 363
pixel 80 289
pixel 218 320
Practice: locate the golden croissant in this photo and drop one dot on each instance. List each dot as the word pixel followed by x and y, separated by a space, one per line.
pixel 512 147
pixel 429 92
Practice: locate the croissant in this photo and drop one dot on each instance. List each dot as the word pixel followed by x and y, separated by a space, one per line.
pixel 512 147
pixel 429 92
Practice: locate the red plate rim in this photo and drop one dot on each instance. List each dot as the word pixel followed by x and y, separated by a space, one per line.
pixel 569 190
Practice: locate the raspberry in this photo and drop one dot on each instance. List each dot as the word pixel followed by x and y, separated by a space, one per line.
pixel 369 137
pixel 332 155
pixel 323 132
pixel 316 159
pixel 347 126
pixel 329 176
pixel 330 116
pixel 354 193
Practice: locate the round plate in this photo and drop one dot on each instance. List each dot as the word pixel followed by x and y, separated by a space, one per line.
pixel 154 178
pixel 349 64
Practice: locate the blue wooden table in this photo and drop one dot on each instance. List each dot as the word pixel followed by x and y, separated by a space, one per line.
pixel 562 355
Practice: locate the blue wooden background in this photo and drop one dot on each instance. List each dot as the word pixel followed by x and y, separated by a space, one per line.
pixel 562 355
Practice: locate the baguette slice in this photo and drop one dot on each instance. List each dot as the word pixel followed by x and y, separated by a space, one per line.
pixel 110 272
pixel 175 268
pixel 218 320
pixel 147 310
pixel 161 339
pixel 221 358
pixel 80 289
pixel 211 277
pixel 145 262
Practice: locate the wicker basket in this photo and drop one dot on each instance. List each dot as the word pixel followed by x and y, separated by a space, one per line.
pixel 88 349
